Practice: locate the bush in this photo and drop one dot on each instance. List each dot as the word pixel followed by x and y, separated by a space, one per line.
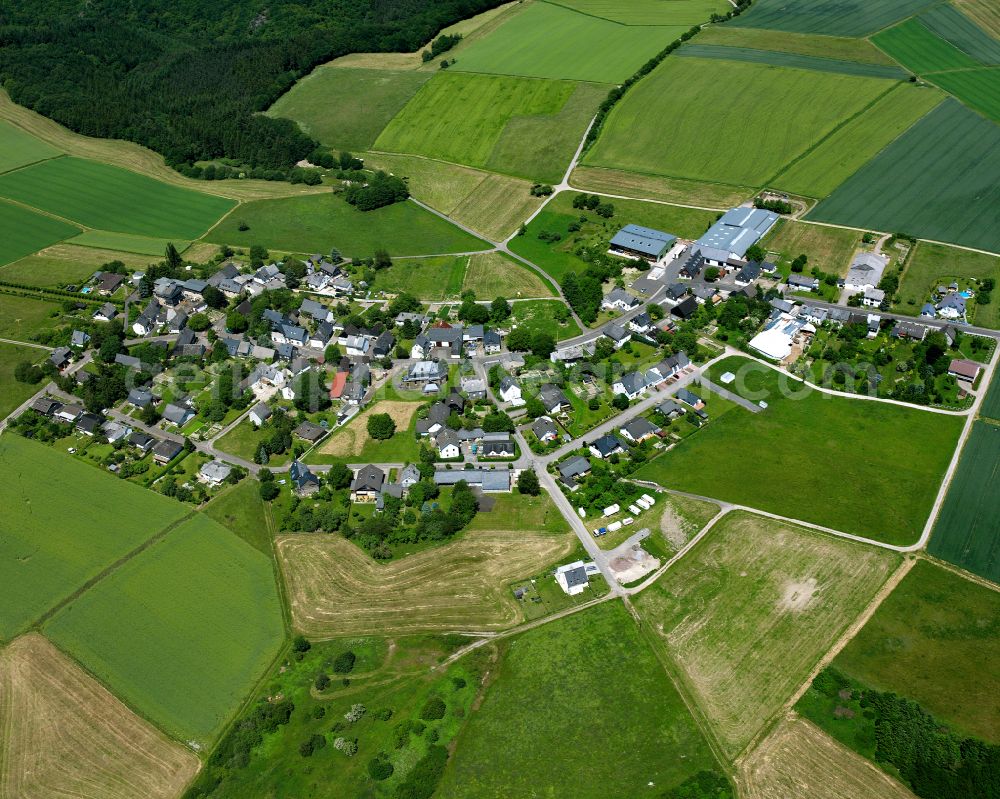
pixel 301 644
pixel 433 709
pixel 269 491
pixel 322 682
pixel 381 426
pixel 379 769
pixel 528 484
pixel 344 664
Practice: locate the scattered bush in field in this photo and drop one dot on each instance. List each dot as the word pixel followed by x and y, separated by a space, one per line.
pixel 344 664
pixel 379 769
pixel 355 713
pixel 433 709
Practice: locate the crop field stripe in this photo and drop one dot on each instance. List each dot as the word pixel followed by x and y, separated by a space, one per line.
pixel 920 50
pixel 940 180
pixel 830 17
pixel 977 88
pixel 793 60
pixel 953 26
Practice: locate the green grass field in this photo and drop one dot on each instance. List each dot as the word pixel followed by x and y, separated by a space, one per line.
pixel 64 537
pixel 747 613
pixel 930 265
pixel 108 198
pixel 850 147
pixel 952 25
pixel 241 509
pixel 549 41
pixel 348 108
pixel 840 47
pixel 741 124
pixel 940 180
pixel 990 408
pixel 23 232
pixel 494 274
pixel 967 531
pixel 829 248
pixel 603 725
pixel 436 278
pixel 649 12
pixel 13 393
pixel 977 88
pixel 182 631
pixel 46 271
pixel 18 148
pixel 537 315
pixel 124 242
pixel 914 46
pixel 793 60
pixel 894 456
pixel 317 222
pixel 935 640
pixel 21 318
pixel 518 126
pixel 842 18
pixel 244 441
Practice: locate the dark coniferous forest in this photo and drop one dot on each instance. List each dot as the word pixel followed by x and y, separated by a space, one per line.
pixel 187 77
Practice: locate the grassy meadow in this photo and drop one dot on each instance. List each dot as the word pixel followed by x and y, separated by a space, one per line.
pixel 603 725
pixel 742 122
pixel 830 248
pixel 12 392
pixel 893 456
pixel 494 274
pixel 109 198
pixel 52 271
pixel 318 222
pixel 658 187
pixel 127 243
pixel 19 148
pixel 24 231
pixel 200 600
pixel 539 316
pixel 434 278
pixel 241 509
pixel 23 318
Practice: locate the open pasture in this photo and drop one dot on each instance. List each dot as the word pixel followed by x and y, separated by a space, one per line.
pixel 742 122
pixel 108 198
pixel 649 12
pixel 799 759
pixel 930 265
pixel 967 530
pixel 549 41
pixel 493 274
pixel 319 222
pixel 336 589
pixel 918 49
pixel 793 60
pixel 603 725
pixel 199 600
pixel 518 126
pixel 935 639
pixel 19 148
pixel 842 48
pixel 241 509
pixel 348 108
pixel 940 180
pixel 977 88
pixel 23 232
pixel 749 611
pixel 12 392
pixel 894 456
pixel 66 735
pixel 829 17
pixel 49 553
pixel 952 25
pixel 851 146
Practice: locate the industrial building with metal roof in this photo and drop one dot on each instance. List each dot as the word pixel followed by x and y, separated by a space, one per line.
pixel 642 242
pixel 734 233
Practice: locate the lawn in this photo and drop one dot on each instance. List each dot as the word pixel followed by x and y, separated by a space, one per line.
pixel 967 531
pixel 612 717
pixel 930 265
pixel 977 88
pixel 124 242
pixel 108 198
pixel 831 249
pixel 495 274
pixel 241 509
pixel 649 12
pixel 940 180
pixel 23 232
pixel 19 148
pixel 318 222
pixel 748 612
pixel 434 278
pixel 348 108
pixel 51 553
pixel 742 122
pixel 13 393
pixel 774 58
pixel 893 456
pixel 914 46
pixel 518 126
pixel 963 32
pixel 829 17
pixel 200 600
pixel 935 640
pixel 842 48
pixel 850 147
pixel 520 512
pixel 244 441
pixel 549 41
pixel 537 316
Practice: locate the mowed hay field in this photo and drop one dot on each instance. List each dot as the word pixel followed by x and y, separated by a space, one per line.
pixel 318 222
pixel 850 147
pixel 334 588
pixel 493 274
pixel 829 17
pixel 549 41
pixel 741 122
pixel 933 264
pixel 63 734
pixel 524 127
pixel 108 198
pixel 612 718
pixel 749 611
pixel 19 148
pixel 830 248
pixel 50 545
pixel 800 760
pixel 182 631
pixel 649 12
pixel 23 232
pixel 936 640
pixel 967 531
pixel 940 180
pixel 657 187
pixel 894 456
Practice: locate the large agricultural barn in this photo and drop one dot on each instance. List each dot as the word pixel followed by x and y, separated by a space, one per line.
pixel 637 241
pixel 735 233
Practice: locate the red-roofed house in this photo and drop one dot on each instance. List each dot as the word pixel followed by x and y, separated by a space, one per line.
pixel 337 387
pixel 965 370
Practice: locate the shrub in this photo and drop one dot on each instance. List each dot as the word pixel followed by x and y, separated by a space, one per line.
pixel 381 426
pixel 344 664
pixel 322 682
pixel 433 709
pixel 300 644
pixel 379 769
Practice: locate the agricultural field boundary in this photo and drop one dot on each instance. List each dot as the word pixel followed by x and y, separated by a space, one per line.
pixel 791 60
